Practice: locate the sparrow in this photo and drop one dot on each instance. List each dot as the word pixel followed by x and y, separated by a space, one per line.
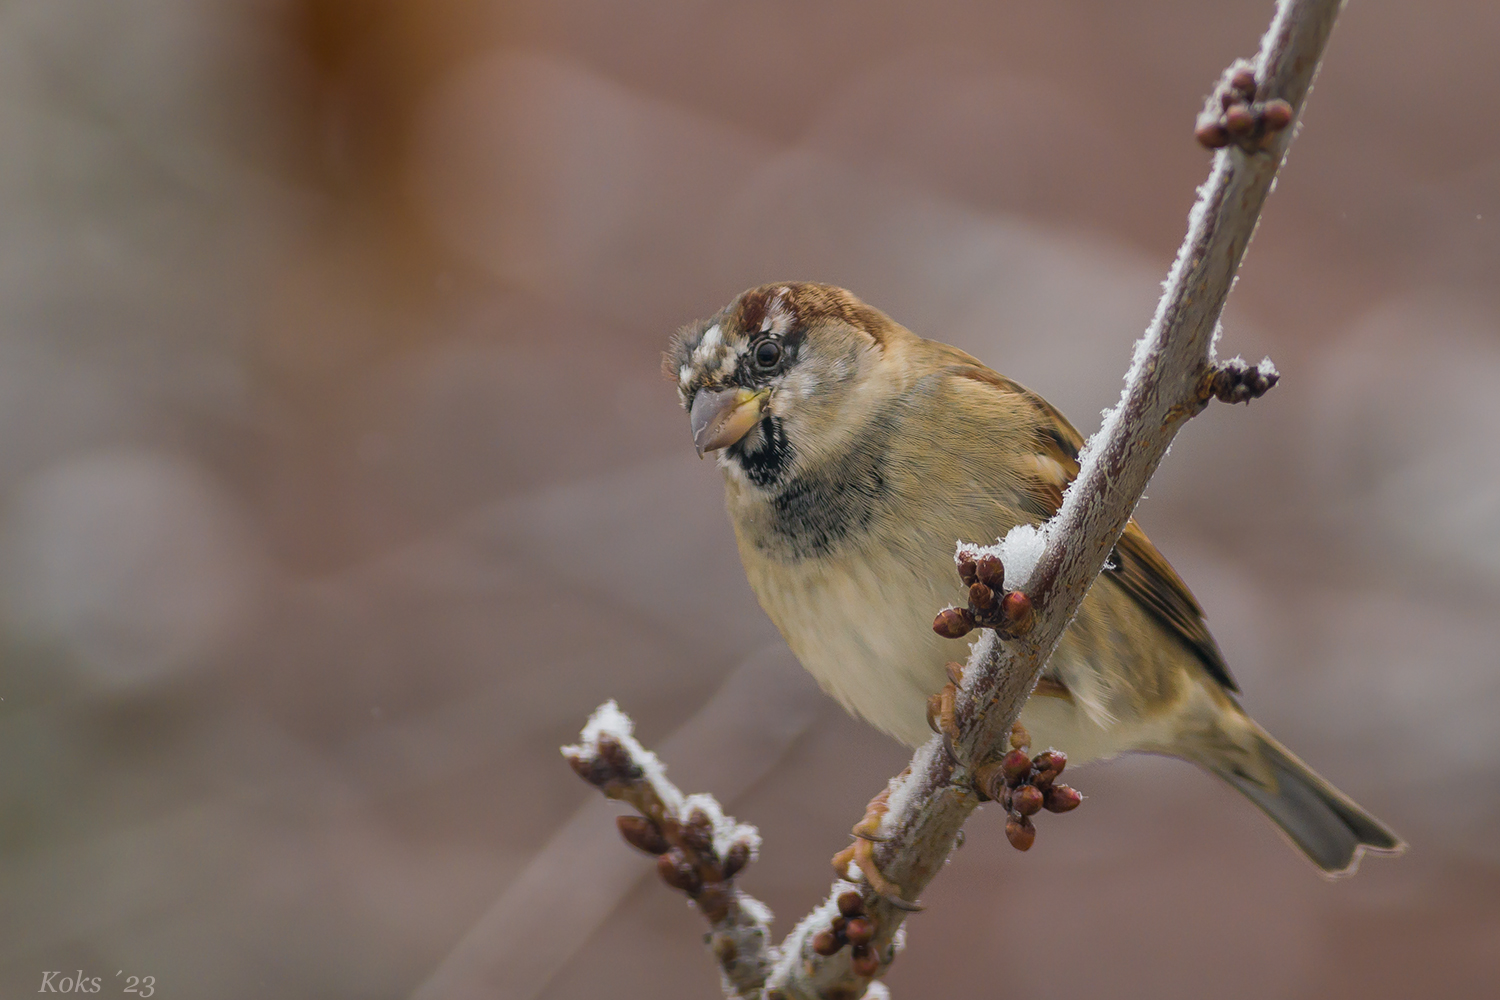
pixel 855 454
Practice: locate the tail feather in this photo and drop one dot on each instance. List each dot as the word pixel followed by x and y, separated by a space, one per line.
pixel 1327 825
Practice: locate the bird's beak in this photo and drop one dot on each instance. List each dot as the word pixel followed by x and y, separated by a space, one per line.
pixel 721 417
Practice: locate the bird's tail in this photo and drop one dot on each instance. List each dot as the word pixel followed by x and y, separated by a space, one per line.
pixel 1327 825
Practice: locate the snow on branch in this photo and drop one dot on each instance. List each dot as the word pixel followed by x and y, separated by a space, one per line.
pixel 699 850
pixel 1026 597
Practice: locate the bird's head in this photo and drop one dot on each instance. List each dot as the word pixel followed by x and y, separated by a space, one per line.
pixel 782 377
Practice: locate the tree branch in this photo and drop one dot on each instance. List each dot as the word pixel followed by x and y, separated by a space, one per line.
pixel 1172 377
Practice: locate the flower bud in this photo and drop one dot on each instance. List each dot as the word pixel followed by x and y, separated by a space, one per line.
pixel 1017 613
pixel 1016 765
pixel 1277 115
pixel 1049 764
pixel 1020 833
pixel 826 943
pixel 981 597
pixel 613 754
pixel 966 569
pixel 851 904
pixel 674 869
pixel 698 833
pixel 990 571
pixel 1027 800
pixel 1212 136
pixel 1239 120
pixel 953 623
pixel 859 931
pixel 736 858
pixel 1062 798
pixel 642 834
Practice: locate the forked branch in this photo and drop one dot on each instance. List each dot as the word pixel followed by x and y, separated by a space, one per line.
pixel 1249 120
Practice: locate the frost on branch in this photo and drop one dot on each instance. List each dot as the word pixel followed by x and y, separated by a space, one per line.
pixel 698 849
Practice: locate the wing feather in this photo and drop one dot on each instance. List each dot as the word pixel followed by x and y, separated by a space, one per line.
pixel 1135 565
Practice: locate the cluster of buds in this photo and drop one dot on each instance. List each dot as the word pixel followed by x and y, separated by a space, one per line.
pixel 1238 381
pixel 854 928
pixel 1025 786
pixel 1240 118
pixel 686 859
pixel 1009 614
pixel 686 856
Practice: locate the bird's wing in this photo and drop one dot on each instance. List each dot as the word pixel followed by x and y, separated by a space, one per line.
pixel 1135 565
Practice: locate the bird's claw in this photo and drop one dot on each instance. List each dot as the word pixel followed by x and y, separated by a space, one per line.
pixel 861 854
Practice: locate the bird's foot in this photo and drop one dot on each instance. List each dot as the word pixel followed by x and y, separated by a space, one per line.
pixel 990 606
pixel 1234 116
pixel 861 853
pixel 940 718
pixel 852 927
pixel 1025 786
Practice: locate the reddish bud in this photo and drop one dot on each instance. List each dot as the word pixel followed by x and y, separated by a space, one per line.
pixel 674 870
pixel 642 834
pixel 736 859
pixel 1017 613
pixel 590 769
pixel 1062 798
pixel 1277 115
pixel 966 569
pixel 1243 81
pixel 862 961
pixel 1026 800
pixel 1020 833
pixel 826 943
pixel 1213 135
pixel 1049 764
pixel 954 623
pixel 1239 120
pixel 698 833
pixel 613 754
pixel 859 931
pixel 1016 765
pixel 851 904
pixel 981 597
pixel 991 571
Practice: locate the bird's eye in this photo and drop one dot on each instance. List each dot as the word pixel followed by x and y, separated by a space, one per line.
pixel 767 353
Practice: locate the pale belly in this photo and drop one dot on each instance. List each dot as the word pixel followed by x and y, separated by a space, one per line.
pixel 863 629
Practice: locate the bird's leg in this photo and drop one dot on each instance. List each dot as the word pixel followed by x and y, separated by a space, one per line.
pixel 862 852
pixel 940 708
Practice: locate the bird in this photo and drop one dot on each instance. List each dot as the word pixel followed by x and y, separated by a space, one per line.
pixel 855 454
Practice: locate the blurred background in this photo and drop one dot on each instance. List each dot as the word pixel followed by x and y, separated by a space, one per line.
pixel 338 483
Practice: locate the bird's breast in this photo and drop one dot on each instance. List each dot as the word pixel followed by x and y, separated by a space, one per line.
pixel 861 623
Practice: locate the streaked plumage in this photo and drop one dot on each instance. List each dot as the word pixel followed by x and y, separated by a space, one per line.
pixel 855 454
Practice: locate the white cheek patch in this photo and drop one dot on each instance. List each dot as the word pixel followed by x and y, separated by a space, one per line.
pixel 708 346
pixel 684 375
pixel 797 385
